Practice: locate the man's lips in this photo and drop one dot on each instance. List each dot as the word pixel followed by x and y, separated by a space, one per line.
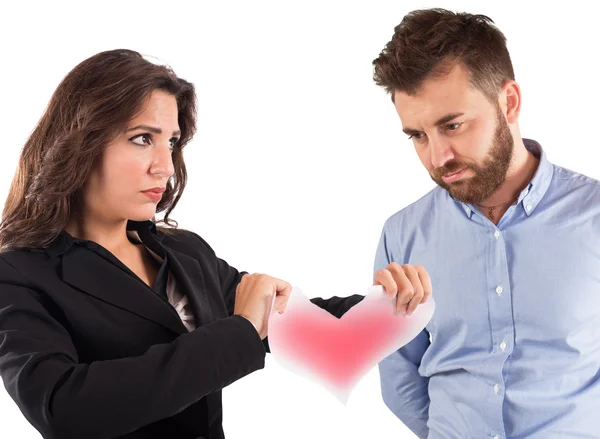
pixel 449 178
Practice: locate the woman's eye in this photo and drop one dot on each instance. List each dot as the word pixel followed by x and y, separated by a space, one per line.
pixel 141 139
pixel 174 142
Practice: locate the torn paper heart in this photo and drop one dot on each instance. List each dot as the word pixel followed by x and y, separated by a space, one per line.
pixel 339 352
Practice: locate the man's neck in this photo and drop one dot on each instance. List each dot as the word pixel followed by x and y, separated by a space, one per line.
pixel 518 176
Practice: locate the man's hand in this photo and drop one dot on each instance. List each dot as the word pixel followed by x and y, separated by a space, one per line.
pixel 410 284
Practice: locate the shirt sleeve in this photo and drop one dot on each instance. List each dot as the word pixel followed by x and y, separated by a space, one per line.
pixel 404 390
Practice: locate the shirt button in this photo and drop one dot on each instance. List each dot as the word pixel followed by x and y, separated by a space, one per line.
pixel 496 234
pixel 499 290
pixel 503 345
pixel 496 437
pixel 496 389
pixel 528 207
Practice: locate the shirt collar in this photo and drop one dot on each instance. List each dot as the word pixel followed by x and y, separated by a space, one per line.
pixel 531 195
pixel 65 240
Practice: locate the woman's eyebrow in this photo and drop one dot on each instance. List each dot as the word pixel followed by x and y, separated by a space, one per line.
pixel 152 129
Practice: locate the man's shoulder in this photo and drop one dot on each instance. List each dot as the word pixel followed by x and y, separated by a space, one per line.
pixel 567 176
pixel 419 209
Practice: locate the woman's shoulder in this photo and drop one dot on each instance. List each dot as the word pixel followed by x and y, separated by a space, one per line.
pixel 183 240
pixel 16 263
pixel 23 256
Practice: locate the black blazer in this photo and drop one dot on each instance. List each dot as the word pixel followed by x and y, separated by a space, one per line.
pixel 88 350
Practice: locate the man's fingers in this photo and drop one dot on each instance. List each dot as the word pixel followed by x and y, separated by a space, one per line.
pixel 386 280
pixel 405 288
pixel 425 281
pixel 413 277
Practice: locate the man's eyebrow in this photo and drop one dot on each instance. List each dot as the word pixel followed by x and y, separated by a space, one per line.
pixel 409 131
pixel 447 118
pixel 441 121
pixel 152 129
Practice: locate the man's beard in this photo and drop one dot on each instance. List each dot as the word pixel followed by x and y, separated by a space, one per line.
pixel 489 176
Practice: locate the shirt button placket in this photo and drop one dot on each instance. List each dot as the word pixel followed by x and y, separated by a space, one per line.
pixel 500 309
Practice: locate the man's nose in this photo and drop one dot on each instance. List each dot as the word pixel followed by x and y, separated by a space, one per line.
pixel 441 151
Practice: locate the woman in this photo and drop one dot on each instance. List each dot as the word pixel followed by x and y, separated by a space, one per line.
pixel 110 325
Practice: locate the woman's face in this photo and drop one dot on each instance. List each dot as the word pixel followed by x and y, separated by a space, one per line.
pixel 137 160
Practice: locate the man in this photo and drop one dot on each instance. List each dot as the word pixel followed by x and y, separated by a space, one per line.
pixel 510 242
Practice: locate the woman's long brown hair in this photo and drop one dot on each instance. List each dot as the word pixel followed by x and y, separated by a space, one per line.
pixel 90 107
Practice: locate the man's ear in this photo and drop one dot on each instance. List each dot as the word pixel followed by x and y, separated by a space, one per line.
pixel 509 100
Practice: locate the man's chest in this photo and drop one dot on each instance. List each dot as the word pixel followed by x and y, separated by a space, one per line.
pixel 545 281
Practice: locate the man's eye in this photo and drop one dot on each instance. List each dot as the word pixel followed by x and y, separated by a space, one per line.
pixel 416 136
pixel 141 139
pixel 453 126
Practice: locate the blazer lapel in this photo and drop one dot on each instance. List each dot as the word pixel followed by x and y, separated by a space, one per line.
pixel 190 281
pixel 186 270
pixel 93 274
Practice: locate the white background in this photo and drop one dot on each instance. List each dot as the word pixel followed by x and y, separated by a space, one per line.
pixel 299 158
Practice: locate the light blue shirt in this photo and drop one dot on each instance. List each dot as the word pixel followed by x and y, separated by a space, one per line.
pixel 513 348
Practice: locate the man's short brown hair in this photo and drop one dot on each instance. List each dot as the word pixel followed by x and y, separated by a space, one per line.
pixel 428 43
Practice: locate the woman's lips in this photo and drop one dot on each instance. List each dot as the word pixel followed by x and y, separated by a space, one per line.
pixel 153 195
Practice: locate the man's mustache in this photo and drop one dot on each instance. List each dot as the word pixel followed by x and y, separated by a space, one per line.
pixel 448 168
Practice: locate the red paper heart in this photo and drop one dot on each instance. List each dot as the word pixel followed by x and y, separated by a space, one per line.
pixel 339 352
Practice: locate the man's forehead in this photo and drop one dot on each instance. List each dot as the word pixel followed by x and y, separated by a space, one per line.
pixel 453 85
pixel 425 109
pixel 415 111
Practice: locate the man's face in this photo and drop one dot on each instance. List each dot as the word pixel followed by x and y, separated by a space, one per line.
pixel 463 141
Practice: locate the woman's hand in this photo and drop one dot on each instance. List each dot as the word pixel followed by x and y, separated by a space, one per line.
pixel 254 298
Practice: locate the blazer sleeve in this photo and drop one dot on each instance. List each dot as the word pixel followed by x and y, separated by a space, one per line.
pixel 64 398
pixel 230 278
pixel 337 306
